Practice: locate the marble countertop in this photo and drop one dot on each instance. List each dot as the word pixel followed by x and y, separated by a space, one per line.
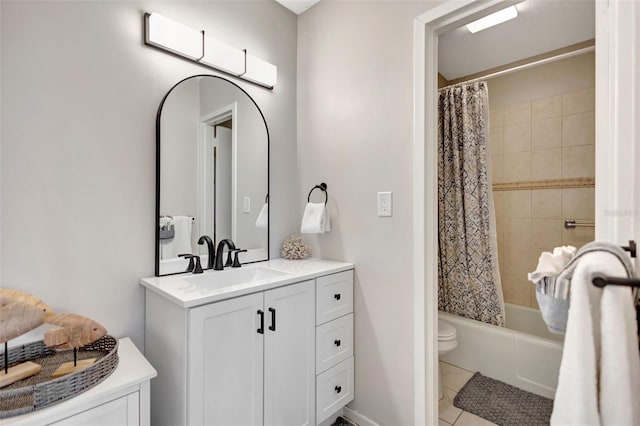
pixel 187 293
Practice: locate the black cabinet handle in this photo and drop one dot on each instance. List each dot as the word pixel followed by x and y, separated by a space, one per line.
pixel 337 342
pixel 338 389
pixel 261 329
pixel 336 296
pixel 272 327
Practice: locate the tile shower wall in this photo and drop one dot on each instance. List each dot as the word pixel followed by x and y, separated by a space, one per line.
pixel 541 139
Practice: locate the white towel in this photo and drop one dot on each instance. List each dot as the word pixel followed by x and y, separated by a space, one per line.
pixel 263 217
pixel 551 264
pixel 181 242
pixel 599 380
pixel 315 219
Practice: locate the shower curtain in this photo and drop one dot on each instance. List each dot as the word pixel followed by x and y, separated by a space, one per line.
pixel 468 272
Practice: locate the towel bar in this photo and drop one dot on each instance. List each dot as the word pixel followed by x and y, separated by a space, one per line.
pixel 572 224
pixel 323 188
pixel 601 281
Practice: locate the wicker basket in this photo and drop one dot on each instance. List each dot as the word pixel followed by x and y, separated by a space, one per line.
pixel 40 391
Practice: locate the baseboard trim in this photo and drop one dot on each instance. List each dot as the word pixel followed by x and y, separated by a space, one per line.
pixel 359 419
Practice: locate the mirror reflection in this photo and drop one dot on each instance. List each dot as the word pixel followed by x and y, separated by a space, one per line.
pixel 213 147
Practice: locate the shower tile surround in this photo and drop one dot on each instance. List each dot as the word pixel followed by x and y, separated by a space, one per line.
pixel 548 138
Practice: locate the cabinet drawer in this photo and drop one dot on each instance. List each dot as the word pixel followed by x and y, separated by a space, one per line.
pixel 334 389
pixel 334 296
pixel 122 411
pixel 334 342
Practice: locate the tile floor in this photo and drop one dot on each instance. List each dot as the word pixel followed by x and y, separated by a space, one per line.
pixel 453 379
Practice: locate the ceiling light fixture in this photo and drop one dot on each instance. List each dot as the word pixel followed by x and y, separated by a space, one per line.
pixel 499 17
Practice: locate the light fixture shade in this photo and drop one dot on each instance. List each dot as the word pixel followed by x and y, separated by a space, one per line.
pixel 166 34
pixel 261 72
pixel 496 18
pixel 222 56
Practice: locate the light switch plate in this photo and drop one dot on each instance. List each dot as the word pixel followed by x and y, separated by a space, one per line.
pixel 247 205
pixel 385 204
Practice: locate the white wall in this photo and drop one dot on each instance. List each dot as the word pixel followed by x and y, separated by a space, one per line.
pixel 354 133
pixel 79 98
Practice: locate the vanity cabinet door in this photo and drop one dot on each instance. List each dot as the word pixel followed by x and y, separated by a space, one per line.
pixel 289 355
pixel 225 369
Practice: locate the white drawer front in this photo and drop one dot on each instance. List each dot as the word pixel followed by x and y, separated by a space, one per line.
pixel 334 296
pixel 334 342
pixel 334 389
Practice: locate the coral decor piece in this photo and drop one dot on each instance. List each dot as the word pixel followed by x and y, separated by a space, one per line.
pixel 294 248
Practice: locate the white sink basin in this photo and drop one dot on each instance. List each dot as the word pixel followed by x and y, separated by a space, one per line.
pixel 231 277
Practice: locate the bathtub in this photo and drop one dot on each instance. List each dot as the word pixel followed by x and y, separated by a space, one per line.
pixel 524 353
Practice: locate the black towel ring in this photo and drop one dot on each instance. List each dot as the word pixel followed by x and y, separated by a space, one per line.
pixel 323 188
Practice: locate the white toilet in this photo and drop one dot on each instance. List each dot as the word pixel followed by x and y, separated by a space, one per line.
pixel 446 343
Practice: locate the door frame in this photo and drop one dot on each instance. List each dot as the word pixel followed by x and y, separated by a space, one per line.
pixel 204 160
pixel 617 59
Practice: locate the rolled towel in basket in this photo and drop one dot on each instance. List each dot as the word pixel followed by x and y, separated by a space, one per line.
pixel 181 242
pixel 554 310
pixel 551 264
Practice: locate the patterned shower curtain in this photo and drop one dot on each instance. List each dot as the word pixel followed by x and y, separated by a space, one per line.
pixel 468 272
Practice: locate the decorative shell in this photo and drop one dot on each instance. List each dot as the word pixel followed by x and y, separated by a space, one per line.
pixel 294 248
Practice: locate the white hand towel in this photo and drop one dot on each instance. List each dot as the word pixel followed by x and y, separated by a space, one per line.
pixel 620 359
pixel 599 376
pixel 263 217
pixel 315 219
pixel 181 242
pixel 551 264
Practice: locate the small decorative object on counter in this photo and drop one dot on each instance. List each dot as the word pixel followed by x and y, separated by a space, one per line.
pixel 42 390
pixel 294 248
pixel 76 332
pixel 30 377
pixel 19 313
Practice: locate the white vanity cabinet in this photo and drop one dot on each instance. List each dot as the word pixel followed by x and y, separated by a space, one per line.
pixel 252 359
pixel 334 343
pixel 253 354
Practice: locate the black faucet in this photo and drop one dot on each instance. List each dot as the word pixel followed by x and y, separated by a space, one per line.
pixel 196 267
pixel 210 249
pixel 236 262
pixel 230 246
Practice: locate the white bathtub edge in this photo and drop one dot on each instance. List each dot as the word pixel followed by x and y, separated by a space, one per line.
pixel 528 362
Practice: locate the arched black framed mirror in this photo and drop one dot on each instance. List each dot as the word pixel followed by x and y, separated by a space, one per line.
pixel 212 172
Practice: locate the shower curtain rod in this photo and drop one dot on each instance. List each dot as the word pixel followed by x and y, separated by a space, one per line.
pixel 525 66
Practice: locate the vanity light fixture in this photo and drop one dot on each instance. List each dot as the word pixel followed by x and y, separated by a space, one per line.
pixel 496 18
pixel 166 34
pixel 259 71
pixel 223 57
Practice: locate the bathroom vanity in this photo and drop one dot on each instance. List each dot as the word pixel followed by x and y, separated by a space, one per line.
pixel 270 343
pixel 121 399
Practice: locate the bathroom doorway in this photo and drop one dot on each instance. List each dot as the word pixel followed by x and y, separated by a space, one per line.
pixel 615 159
pixel 218 177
